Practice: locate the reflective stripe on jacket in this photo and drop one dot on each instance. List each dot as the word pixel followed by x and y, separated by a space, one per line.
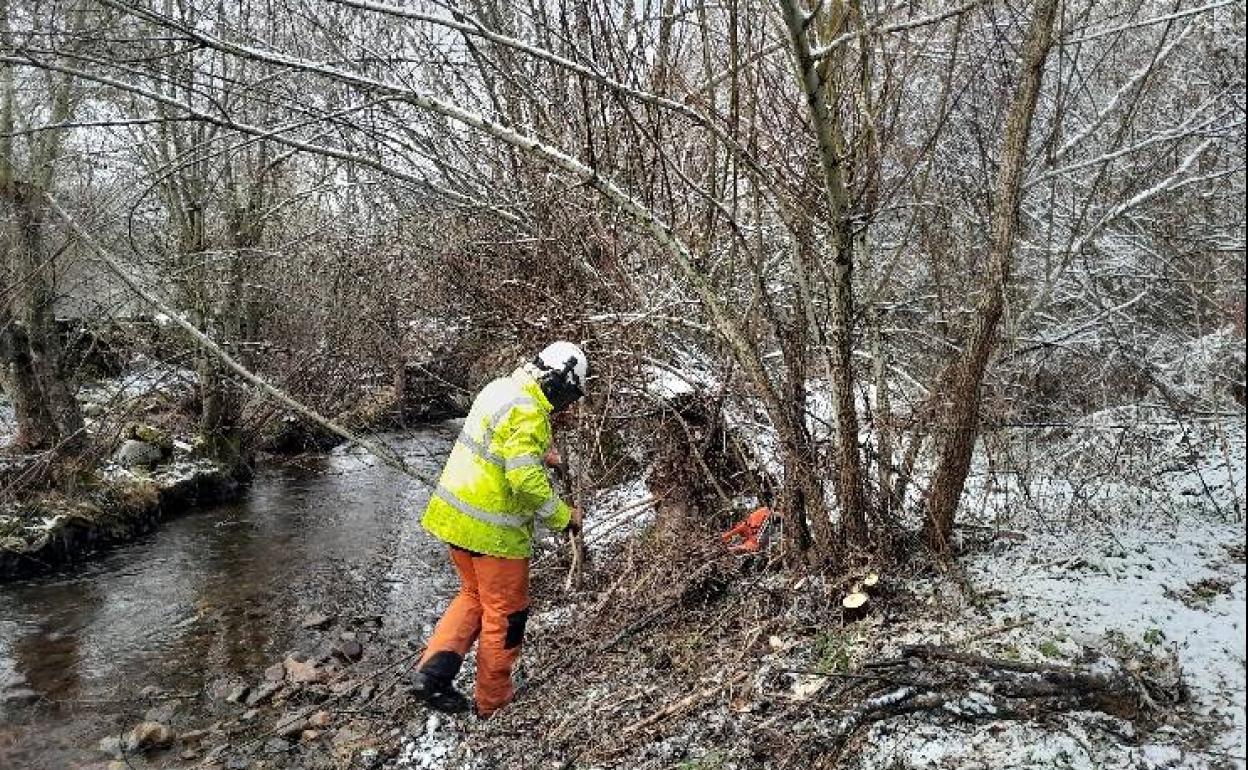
pixel 494 484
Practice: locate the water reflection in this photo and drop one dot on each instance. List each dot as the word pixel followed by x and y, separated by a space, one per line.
pixel 217 591
pixel 49 656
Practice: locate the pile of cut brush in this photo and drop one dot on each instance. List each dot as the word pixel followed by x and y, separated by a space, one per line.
pixel 681 653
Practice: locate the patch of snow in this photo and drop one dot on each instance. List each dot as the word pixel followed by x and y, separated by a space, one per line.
pixel 164 475
pixel 976 704
pixel 1128 531
pixel 551 618
pixel 143 377
pixel 184 470
pixel 8 421
pixel 434 747
pixel 111 471
pixel 748 421
pixel 616 513
pixel 1069 744
pixel 1130 584
pixel 663 383
pixel 1097 589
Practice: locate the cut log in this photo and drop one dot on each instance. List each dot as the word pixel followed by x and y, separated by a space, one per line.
pixel 854 606
pixel 870 581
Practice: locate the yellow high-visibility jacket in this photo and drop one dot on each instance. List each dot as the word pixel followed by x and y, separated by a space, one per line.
pixel 494 485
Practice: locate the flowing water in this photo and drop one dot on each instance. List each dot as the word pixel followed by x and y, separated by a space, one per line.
pixel 215 593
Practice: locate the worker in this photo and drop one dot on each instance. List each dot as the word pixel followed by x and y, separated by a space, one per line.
pixel 492 490
pixel 749 530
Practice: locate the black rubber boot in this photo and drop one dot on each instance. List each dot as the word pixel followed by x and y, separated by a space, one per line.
pixel 450 701
pixel 436 693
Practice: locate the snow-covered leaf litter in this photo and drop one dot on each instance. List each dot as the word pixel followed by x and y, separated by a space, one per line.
pixel 616 513
pixel 1096 590
pixel 1119 571
pixel 143 377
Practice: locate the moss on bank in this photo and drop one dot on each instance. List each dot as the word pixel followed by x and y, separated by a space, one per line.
pixel 51 529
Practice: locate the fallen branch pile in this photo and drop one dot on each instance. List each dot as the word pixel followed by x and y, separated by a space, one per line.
pixel 969 687
pixel 678 656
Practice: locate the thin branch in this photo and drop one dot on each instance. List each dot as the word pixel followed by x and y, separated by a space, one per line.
pixel 1148 22
pixel 886 29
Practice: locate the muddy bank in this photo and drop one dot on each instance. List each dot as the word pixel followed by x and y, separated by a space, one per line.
pixel 335 702
pixel 49 530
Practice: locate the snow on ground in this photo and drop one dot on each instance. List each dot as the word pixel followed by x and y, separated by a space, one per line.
pixel 430 746
pixel 617 513
pixel 1174 584
pixel 167 475
pixel 142 377
pixel 8 421
pixel 1120 533
pixel 663 383
pixel 912 743
pixel 1150 557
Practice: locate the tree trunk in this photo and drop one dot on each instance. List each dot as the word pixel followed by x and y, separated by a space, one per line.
pixel 959 423
pixel 36 298
pixel 849 486
pixel 885 530
pixel 35 428
pixel 44 402
pixel 219 416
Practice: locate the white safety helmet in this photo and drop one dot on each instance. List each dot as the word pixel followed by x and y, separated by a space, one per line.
pixel 561 369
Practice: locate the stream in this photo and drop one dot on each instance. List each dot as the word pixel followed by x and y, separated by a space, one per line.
pixel 215 593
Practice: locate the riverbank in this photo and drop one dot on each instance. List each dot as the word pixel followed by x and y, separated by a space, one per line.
pixel 287 634
pixel 143 461
pixel 713 665
pixel 138 464
pixel 1100 631
pixel 51 529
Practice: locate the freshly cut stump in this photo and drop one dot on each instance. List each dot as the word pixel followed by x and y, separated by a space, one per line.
pixel 854 606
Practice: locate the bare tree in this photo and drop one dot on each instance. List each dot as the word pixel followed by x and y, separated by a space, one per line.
pixel 47 413
pixel 767 195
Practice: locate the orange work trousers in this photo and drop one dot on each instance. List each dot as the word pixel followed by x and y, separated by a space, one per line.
pixel 491 608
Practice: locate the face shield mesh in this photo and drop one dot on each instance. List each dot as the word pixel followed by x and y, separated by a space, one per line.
pixel 561 386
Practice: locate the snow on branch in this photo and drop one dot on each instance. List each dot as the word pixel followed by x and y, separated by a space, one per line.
pixel 469 26
pixel 1149 22
pixel 278 134
pixel 1171 181
pixel 886 29
pixel 1135 80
